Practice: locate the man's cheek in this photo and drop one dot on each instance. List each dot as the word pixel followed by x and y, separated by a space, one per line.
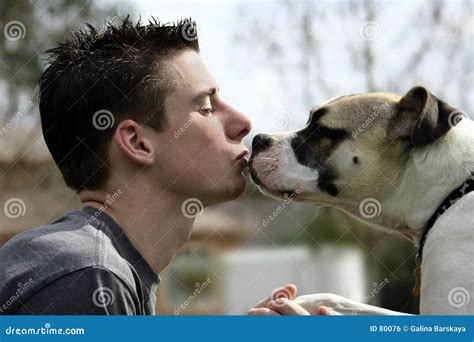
pixel 204 163
pixel 188 147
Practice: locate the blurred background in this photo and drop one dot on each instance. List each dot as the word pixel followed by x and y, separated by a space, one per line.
pixel 273 61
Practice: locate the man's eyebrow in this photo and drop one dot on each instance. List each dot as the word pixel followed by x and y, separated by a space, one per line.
pixel 207 92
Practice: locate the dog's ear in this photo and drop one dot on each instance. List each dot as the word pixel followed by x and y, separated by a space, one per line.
pixel 421 118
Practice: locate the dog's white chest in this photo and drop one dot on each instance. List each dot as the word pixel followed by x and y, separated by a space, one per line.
pixel 447 282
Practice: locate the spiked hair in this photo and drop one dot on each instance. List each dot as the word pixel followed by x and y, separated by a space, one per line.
pixel 97 79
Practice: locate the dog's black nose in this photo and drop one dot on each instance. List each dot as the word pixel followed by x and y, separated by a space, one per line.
pixel 261 142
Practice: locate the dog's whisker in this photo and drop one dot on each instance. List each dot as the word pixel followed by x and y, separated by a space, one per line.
pixel 269 169
pixel 265 158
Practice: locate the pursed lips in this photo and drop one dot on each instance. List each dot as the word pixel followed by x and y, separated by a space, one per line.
pixel 241 159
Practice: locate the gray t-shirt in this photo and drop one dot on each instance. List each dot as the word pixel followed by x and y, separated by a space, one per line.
pixel 81 264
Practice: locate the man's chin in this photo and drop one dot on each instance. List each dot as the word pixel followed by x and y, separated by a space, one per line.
pixel 239 187
pixel 232 190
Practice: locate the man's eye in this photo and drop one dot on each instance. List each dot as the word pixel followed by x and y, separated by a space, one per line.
pixel 206 110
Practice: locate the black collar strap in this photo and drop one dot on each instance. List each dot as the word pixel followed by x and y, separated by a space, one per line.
pixel 452 198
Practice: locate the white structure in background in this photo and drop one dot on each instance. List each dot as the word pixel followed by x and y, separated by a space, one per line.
pixel 251 274
pixel 225 268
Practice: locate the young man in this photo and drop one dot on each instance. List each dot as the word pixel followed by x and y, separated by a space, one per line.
pixel 136 125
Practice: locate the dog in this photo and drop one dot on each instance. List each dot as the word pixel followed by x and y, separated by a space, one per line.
pixel 401 164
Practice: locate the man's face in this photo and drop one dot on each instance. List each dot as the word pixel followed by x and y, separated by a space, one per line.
pixel 200 152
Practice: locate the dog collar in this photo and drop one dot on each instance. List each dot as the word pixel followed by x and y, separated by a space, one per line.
pixel 452 198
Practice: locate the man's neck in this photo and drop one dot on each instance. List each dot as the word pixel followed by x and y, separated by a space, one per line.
pixel 156 227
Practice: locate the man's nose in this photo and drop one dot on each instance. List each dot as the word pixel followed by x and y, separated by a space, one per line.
pixel 238 125
pixel 261 142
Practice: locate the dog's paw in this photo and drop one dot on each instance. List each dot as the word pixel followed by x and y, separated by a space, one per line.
pixel 338 304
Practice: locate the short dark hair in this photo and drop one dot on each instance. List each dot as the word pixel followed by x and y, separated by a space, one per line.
pixel 98 78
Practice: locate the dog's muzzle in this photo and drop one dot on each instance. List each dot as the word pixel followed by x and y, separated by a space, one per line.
pixel 260 143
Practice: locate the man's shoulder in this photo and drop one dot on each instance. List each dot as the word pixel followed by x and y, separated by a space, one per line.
pixel 71 236
pixel 97 291
pixel 43 254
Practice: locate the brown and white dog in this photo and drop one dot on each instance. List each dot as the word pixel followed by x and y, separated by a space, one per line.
pixel 389 161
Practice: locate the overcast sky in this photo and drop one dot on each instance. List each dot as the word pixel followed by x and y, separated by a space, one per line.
pixel 250 86
pixel 215 27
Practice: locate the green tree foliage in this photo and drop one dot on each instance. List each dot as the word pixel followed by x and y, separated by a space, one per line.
pixel 28 28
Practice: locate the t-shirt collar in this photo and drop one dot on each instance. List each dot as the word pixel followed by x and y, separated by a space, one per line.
pixel 124 246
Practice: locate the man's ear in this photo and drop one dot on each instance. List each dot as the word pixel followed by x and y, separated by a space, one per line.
pixel 134 143
pixel 421 118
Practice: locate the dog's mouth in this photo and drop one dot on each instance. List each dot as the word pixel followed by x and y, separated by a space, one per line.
pixel 253 172
pixel 279 193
